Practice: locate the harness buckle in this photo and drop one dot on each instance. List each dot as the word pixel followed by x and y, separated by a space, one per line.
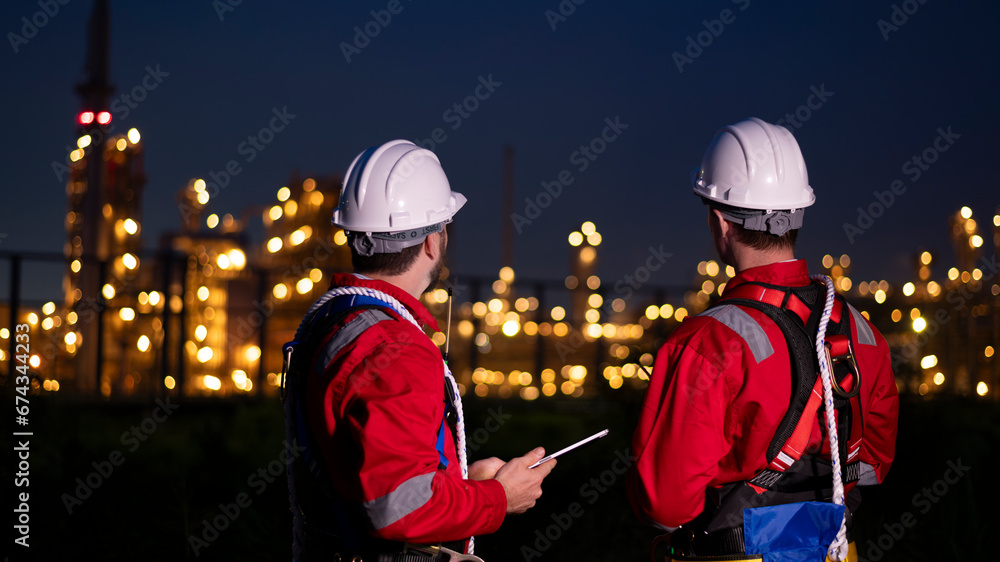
pixel 844 354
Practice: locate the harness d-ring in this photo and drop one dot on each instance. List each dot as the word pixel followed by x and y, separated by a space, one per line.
pixel 852 364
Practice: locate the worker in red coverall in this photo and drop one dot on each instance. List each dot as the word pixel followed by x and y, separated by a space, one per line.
pixel 385 479
pixel 721 383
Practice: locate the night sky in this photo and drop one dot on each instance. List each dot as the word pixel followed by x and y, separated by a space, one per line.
pixel 880 94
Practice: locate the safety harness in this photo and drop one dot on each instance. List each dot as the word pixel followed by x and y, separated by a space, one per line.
pixel 793 474
pixel 323 525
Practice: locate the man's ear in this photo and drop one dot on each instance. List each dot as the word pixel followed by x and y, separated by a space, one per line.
pixel 720 224
pixel 432 246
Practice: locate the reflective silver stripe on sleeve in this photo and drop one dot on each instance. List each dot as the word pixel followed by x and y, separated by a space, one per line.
pixel 404 500
pixel 348 333
pixel 865 335
pixel 745 326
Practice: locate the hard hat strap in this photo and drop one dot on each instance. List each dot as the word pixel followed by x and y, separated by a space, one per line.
pixel 369 243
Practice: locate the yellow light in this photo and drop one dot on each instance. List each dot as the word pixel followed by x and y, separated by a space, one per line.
pixel 304 285
pixel 5 333
pixel 169 382
pixel 121 144
pixel 200 333
pixel 83 142
pixel 521 304
pixel 70 338
pixel 127 314
pixel 199 185
pixel 595 300
pixel 76 155
pixel 203 197
pixel 48 308
pixel 237 258
pixel 205 354
pixel 130 226
pixel 712 269
pixel 702 268
pixel 252 353
pixel 923 388
pixel 495 305
pixel 708 286
pixel 988 352
pixel 880 296
pixel 587 254
pixel 499 287
pixel 284 193
pixel 925 258
pixel 130 261
pixel 339 238
pixel 567 387
pixel 610 330
pixel 592 315
pixel 47 324
pixel 72 317
pixel 35 361
pixel 560 329
pixel 928 361
pixel 594 330
pixel 529 393
pixel 908 289
pixel 575 238
pixel 143 343
pixel 966 213
pixel 203 293
pixel 730 271
pixel 507 274
pixel 680 314
pixel 549 389
pixel 558 313
pixel 316 275
pixel 588 228
pixel 274 244
pixel 594 239
pixel 133 135
pixel 291 207
pixel 976 241
pixel 939 378
pixel 275 213
pixel 914 313
pixel 933 288
pixel 297 237
pixel 510 328
pixel 108 291
pixel 919 324
pixel 75 266
pixel 32 318
pixel 977 274
pixel 953 273
pixel 211 382
pixel 239 377
pixel 897 315
pixel 593 282
pixel 143 298
pixel 666 311
pixel 828 261
pixel 212 221
pixel 996 220
pixel 652 312
pixel 480 309
pixel 154 298
pixel 530 328
pixel 981 388
pixel 223 261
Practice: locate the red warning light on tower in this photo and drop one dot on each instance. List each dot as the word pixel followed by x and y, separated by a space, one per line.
pixel 85 117
pixel 104 118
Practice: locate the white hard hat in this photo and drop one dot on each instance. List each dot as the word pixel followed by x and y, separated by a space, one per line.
pixel 395 194
pixel 754 165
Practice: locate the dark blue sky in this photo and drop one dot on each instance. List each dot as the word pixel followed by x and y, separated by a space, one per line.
pixel 885 101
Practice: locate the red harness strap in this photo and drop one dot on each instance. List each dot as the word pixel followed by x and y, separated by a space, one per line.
pixel 780 299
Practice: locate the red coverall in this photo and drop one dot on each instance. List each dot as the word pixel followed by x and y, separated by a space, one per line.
pixel 711 409
pixel 376 413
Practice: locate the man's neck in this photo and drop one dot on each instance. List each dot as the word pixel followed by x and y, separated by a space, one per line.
pixel 748 258
pixel 407 282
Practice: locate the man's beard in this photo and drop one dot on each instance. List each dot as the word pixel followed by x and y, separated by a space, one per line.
pixel 434 277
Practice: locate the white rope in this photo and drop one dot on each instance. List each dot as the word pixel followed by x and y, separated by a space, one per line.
pixel 838 549
pixel 397 306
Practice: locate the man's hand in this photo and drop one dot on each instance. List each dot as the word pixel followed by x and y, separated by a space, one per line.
pixel 485 469
pixel 523 485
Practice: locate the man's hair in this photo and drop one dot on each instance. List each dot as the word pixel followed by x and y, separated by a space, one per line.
pixel 765 241
pixel 386 264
